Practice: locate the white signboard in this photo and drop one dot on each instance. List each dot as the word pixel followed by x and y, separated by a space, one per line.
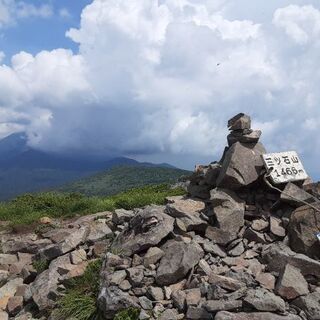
pixel 284 167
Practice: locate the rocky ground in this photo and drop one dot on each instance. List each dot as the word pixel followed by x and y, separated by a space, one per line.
pixel 233 249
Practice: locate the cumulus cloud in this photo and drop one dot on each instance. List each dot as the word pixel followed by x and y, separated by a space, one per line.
pixel 162 77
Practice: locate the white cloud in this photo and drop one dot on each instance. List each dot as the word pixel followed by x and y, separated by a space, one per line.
pixel 64 13
pixel 12 10
pixel 162 77
pixel 302 24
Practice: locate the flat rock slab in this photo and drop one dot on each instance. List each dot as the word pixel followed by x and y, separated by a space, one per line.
pixel 178 259
pixel 146 229
pixel 225 315
pixel 188 211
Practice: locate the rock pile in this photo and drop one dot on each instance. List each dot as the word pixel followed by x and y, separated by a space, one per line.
pixel 232 249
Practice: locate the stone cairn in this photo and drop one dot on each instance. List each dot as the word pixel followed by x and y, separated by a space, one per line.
pixel 232 249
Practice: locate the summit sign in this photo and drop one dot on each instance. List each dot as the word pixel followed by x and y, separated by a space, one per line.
pixel 284 167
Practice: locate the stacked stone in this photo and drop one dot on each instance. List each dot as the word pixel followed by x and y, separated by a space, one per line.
pixel 240 127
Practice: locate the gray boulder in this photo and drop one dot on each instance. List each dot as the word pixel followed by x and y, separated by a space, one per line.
pixel 293 195
pixel 310 304
pixel 188 211
pixel 146 229
pixel 241 166
pixel 228 211
pixel 291 283
pixel 240 121
pixel 278 255
pixel 264 300
pixel 179 258
pixel 303 227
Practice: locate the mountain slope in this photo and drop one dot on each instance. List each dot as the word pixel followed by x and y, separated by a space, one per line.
pixel 24 169
pixel 122 178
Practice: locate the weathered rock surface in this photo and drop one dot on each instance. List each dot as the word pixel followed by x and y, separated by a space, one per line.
pixel 291 283
pixel 278 255
pixel 229 215
pixel 188 211
pixel 303 227
pixel 237 171
pixel 310 304
pixel 178 259
pixel 293 195
pixel 145 230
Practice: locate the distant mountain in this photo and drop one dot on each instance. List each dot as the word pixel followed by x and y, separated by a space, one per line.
pixel 24 169
pixel 122 178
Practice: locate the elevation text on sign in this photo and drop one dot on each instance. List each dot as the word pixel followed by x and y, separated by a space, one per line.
pixel 284 167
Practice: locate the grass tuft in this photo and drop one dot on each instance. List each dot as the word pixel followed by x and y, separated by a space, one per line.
pixel 29 208
pixel 128 314
pixel 80 299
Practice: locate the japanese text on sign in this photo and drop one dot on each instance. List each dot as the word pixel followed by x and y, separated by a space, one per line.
pixel 284 167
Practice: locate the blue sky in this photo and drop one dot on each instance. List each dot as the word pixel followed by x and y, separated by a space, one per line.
pixel 33 34
pixel 157 80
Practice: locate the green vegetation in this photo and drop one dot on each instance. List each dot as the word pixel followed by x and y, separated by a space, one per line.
pixel 128 314
pixel 30 208
pixel 80 299
pixel 122 178
pixel 40 265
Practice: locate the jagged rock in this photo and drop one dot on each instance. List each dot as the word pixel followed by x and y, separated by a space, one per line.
pixel 169 314
pixel 179 258
pixel 225 315
pixel 193 296
pixel 276 228
pixel 135 275
pixel 152 256
pixel 179 299
pixel 229 214
pixel 117 277
pixel 291 283
pixel 220 305
pixel 214 249
pixel 27 244
pixel 237 250
pixel 266 280
pixel 8 290
pixel 259 225
pixel 278 255
pixel 239 136
pixel 225 282
pixel 73 240
pixel 293 195
pixel 15 305
pixel 203 180
pixel 120 216
pixel 146 229
pixel 198 313
pixel 112 299
pixel 156 293
pixel 240 121
pixel 255 236
pixel 310 304
pixel 188 211
pixel 145 303
pixel 99 230
pixel 303 227
pixel 4 315
pixel 242 165
pixel 264 300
